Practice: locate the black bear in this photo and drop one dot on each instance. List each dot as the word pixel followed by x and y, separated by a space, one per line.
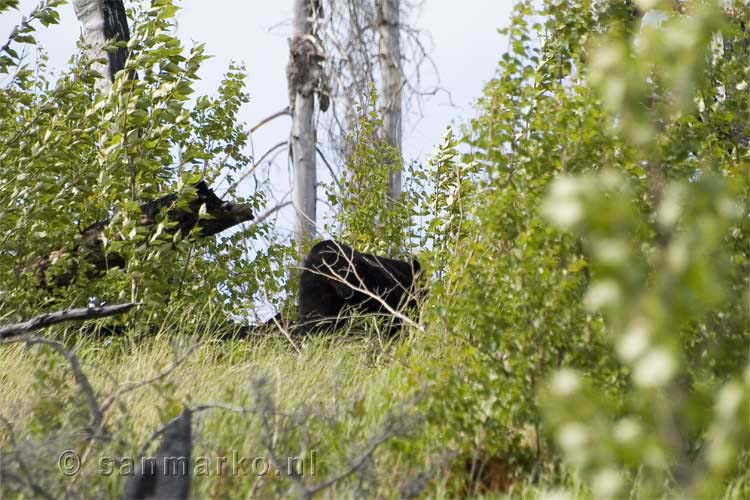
pixel 338 280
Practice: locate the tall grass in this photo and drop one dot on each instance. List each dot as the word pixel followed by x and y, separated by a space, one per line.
pixel 328 398
pixel 325 403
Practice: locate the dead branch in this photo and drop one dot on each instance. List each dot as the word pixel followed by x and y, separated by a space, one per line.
pixel 283 112
pixel 287 333
pixel 48 319
pixel 132 386
pixel 330 169
pixel 350 33
pixel 183 218
pixel 95 411
pixel 250 132
pixel 256 165
pixel 265 215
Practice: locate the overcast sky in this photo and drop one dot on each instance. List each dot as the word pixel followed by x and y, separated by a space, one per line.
pixel 463 34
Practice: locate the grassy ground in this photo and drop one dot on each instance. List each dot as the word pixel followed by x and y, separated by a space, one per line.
pixel 326 402
pixel 345 407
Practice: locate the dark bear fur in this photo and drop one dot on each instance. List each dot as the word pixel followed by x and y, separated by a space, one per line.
pixel 334 280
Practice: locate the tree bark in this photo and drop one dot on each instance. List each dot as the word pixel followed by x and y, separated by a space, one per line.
pixel 390 66
pixel 103 21
pixel 305 173
pixel 168 474
pixel 303 77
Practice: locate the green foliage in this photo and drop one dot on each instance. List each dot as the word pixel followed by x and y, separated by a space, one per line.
pixel 664 275
pixel 443 194
pixel 46 14
pixel 365 216
pixel 586 239
pixel 72 156
pixel 674 421
pixel 510 306
pixel 516 302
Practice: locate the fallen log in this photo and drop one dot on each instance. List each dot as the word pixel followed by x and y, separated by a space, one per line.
pixel 47 319
pixel 222 331
pixel 222 216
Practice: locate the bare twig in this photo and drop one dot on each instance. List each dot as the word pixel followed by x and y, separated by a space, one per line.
pixel 330 169
pixel 285 331
pixel 396 423
pixel 355 464
pixel 132 386
pixel 24 468
pixel 283 112
pixel 252 168
pixel 350 33
pixel 264 407
pixel 95 411
pixel 265 215
pixel 196 409
pixel 361 288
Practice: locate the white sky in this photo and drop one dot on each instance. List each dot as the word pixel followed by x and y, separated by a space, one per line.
pixel 465 47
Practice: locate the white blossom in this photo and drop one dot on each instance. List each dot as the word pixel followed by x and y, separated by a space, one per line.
pixel 634 341
pixel 602 293
pixel 655 368
pixel 565 382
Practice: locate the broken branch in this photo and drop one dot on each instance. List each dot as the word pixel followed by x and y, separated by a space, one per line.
pixel 52 318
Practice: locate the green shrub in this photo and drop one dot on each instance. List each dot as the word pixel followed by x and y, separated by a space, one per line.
pixel 72 156
pixel 583 91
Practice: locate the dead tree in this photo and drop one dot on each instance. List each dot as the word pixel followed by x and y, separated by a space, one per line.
pixel 305 79
pixel 388 22
pixel 372 42
pixel 104 21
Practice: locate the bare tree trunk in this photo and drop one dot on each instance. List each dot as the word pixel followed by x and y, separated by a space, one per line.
pixel 104 20
pixel 305 175
pixel 390 66
pixel 304 74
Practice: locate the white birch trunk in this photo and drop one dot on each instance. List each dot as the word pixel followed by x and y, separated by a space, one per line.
pixel 305 178
pixel 304 194
pixel 101 21
pixel 390 66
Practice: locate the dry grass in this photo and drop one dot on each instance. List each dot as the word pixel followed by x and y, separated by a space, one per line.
pixel 332 397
